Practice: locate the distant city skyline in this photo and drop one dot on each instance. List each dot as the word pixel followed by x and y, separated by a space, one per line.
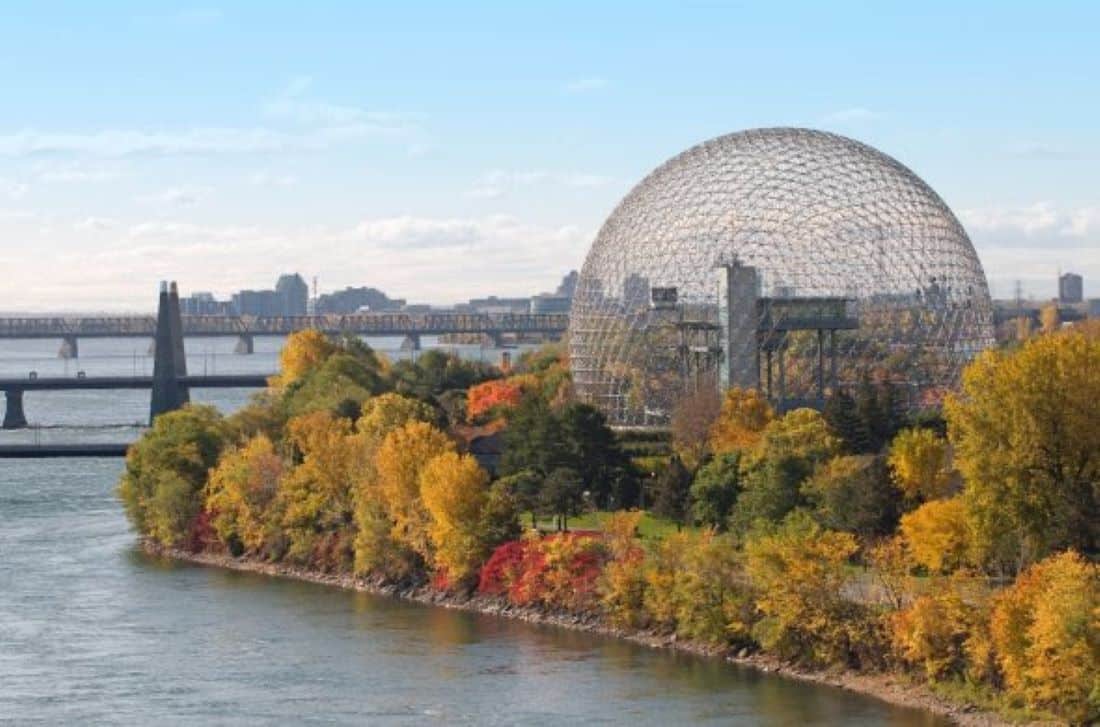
pixel 441 153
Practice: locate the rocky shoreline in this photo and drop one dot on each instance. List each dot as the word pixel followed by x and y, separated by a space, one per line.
pixel 895 689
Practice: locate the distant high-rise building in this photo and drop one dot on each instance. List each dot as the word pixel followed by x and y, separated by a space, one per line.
pixel 568 285
pixel 293 295
pixel 1070 288
pixel 351 300
pixel 203 304
pixel 550 303
pixel 256 303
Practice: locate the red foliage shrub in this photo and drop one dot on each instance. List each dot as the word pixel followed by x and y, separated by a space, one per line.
pixel 559 570
pixel 200 534
pixel 502 567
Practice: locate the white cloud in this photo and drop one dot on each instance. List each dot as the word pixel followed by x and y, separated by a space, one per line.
pixel 54 171
pixel 1039 219
pixel 293 105
pixel 127 142
pixel 497 182
pixel 175 197
pixel 437 260
pixel 11 189
pixel 271 179
pixel 850 115
pixel 95 224
pixel 584 85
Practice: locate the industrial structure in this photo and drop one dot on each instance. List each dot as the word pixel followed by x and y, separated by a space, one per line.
pixel 788 260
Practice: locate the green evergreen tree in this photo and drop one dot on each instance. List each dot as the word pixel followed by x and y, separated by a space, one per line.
pixel 671 496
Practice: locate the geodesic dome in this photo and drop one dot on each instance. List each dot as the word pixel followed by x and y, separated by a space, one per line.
pixel 847 264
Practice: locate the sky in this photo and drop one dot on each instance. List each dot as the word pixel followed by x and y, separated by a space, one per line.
pixel 452 150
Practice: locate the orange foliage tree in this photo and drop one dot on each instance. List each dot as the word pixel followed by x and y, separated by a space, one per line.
pixel 744 415
pixel 492 396
pixel 1046 634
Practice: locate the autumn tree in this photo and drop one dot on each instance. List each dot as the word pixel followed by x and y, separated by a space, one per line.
pixel 454 490
pixel 399 461
pixel 798 571
pixel 943 631
pixel 382 414
pixel 1026 434
pixel 1046 634
pixel 161 487
pixel 316 497
pixel 937 535
pixel 692 420
pixel 853 493
pixel 240 493
pixel 303 353
pixel 743 416
pixel 492 397
pixel 789 450
pixel 1050 318
pixel 920 462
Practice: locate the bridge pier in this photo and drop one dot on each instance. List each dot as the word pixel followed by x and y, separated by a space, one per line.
pixel 411 342
pixel 69 348
pixel 169 362
pixel 14 418
pixel 494 339
pixel 246 344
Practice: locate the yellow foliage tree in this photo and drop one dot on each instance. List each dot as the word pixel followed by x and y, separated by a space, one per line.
pixel 937 534
pixel 1026 437
pixel 1049 318
pixel 386 412
pixel 1046 634
pixel 454 490
pixel 240 492
pixel 303 352
pixel 921 464
pixel 801 433
pixel 622 585
pixel 376 550
pixel 317 496
pixel 744 414
pixel 798 572
pixel 398 463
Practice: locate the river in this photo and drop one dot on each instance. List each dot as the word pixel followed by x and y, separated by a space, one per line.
pixel 93 631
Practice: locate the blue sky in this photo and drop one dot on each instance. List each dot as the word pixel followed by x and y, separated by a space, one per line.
pixel 442 151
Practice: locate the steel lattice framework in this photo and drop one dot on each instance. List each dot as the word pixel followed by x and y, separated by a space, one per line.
pixel 815 217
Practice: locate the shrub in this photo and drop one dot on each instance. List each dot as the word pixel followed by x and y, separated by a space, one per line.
pixel 166 470
pixel 715 490
pixel 939 633
pixel 1046 633
pixel 798 571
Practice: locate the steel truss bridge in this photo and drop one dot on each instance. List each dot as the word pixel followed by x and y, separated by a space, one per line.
pixel 363 324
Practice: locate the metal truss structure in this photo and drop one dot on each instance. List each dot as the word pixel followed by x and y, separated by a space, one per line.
pixel 764 244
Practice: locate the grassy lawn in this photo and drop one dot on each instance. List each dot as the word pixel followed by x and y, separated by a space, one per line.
pixel 650 526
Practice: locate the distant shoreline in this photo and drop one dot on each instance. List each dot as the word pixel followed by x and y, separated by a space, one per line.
pixel 893 689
